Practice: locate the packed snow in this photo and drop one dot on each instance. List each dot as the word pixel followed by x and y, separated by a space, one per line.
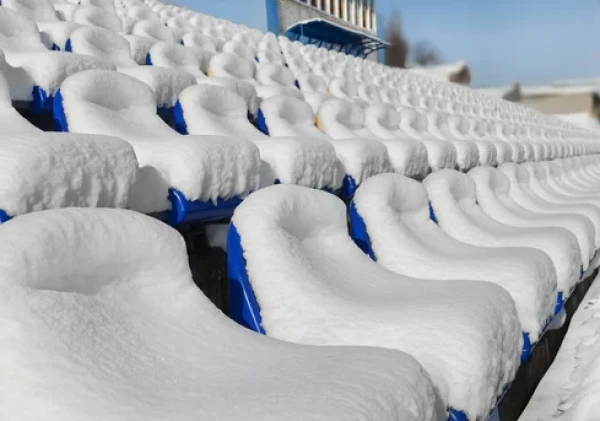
pixel 54 170
pixel 101 321
pixel 201 167
pixel 404 239
pixel 454 200
pixel 315 286
pixel 215 110
pixel 291 117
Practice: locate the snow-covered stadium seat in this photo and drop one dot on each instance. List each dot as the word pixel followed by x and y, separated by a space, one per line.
pixel 197 177
pixel 275 79
pixel 240 49
pixel 313 87
pixel 154 30
pixel 199 40
pixel 179 57
pixel 440 154
pixel 296 275
pixel 390 221
pixel 54 33
pixel 493 196
pixel 341 119
pixel 285 116
pixel 97 17
pixel 522 193
pixel 101 318
pixel 232 66
pixel 34 73
pixel 454 204
pixel 216 110
pixel 111 47
pixel 467 152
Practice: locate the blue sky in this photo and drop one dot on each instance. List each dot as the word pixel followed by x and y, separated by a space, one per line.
pixel 530 41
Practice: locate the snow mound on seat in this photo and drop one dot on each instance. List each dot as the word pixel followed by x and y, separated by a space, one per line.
pixel 55 170
pixel 102 321
pixel 203 168
pixel 569 389
pixel 395 210
pixel 215 110
pixel 103 44
pixel 166 83
pixel 493 196
pixel 315 286
pixel 453 197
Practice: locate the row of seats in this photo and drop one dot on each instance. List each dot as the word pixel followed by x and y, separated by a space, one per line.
pixel 186 117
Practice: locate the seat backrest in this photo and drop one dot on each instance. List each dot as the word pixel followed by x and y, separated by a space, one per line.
pixel 240 49
pixel 172 55
pixel 198 39
pixel 231 66
pixel 141 12
pixel 154 30
pixel 103 44
pixel 95 16
pixel 214 110
pixel 18 33
pixel 36 10
pixel 284 116
pixel 340 119
pixel 343 87
pixel 108 102
pixel 383 120
pixel 310 82
pixel 242 88
pixel 110 246
pixel 273 74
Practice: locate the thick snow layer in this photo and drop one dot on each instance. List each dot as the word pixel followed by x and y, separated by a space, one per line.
pixel 315 286
pixel 201 167
pixel 569 389
pixel 97 17
pixel 232 66
pixel 523 194
pixel 292 117
pixel 341 119
pixel 215 110
pixel 166 83
pixel 453 198
pixel 405 240
pixel 176 56
pixel 101 321
pixel 467 153
pixel 493 196
pixel 440 154
pixel 103 44
pixel 54 170
pixel 140 46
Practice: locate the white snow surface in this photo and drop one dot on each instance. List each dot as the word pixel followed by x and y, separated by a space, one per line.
pixel 53 170
pixel 440 154
pixel 453 198
pixel 215 110
pixel 395 210
pixel 523 193
pixel 315 286
pixel 493 196
pixel 342 119
pixel 201 167
pixel 291 117
pixel 569 391
pixel 101 321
